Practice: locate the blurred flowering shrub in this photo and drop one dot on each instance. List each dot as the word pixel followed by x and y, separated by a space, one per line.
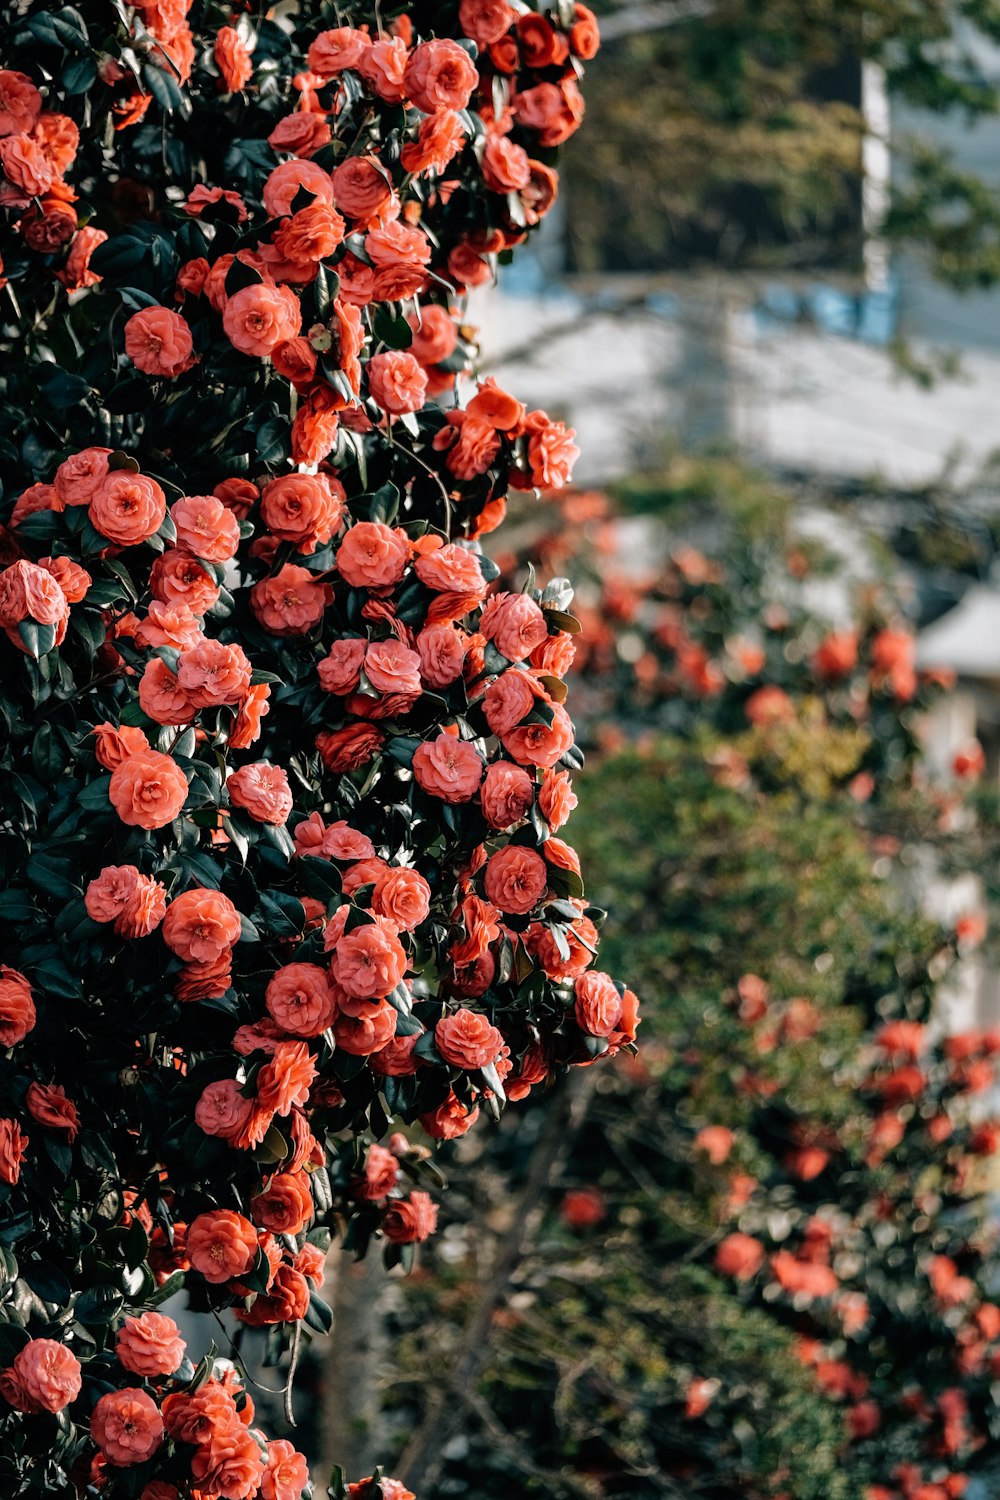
pixel 769 1267
pixel 760 625
pixel 284 773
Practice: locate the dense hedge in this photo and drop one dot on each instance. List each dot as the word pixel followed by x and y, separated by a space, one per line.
pixel 282 771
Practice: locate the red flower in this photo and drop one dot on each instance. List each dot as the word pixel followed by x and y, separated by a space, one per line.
pixel 232 59
pixel 409 1220
pixel 516 879
pixel 467 1040
pixel 739 1255
pixel 222 1245
pixel 17 1009
pixel 158 342
pixel 127 1427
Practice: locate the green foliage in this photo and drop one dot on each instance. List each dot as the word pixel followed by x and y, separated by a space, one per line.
pixel 720 882
pixel 590 1380
pixel 770 956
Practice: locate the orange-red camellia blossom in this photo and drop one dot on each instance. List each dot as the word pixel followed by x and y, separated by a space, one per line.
pixel 285 1301
pixel 403 897
pixel 71 578
pixel 340 670
pixel 115 744
pixel 716 1141
pixel 223 1111
pixel 291 602
pixel 439 75
pixel 134 903
pixel 739 1255
pixel 128 508
pixel 441 650
pixel 127 1426
pixel 205 527
pixel 516 879
pixel 45 1376
pixel 836 655
pixel 515 624
pixel 161 696
pixel 231 1465
pixel 540 744
pixel 48 1104
pixel 148 789
pixel 801 1277
pixel 26 167
pixel 285 1080
pixel 232 59
pixel 450 1119
pixel 195 1416
pixel 310 234
pixel 13 1144
pixel 467 1040
pixel 258 318
pixel 287 1472
pixel 369 962
pixel 291 178
pixel 30 593
pixel 373 555
pixel 392 668
pixel 380 1175
pixel 598 1005
pixel 409 1220
pixel 221 1244
pixel 158 342
pixel 79 475
pixel 168 625
pixel 176 578
pixel 448 768
pixel 149 1345
pixel 76 274
pixel 285 1206
pixel 506 794
pixel 302 508
pixel 213 672
pixel 20 103
pixel 17 1008
pixel 397 382
pixel 201 925
pixel 300 999
pixel 262 790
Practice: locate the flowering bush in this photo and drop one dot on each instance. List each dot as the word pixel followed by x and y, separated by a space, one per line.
pixel 284 773
pixel 792 1172
pixel 736 634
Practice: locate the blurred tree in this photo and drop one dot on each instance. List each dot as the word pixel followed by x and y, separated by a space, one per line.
pixel 730 134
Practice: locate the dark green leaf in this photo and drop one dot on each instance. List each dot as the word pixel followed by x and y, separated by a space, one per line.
pixel 163 87
pixel 38 639
pixel 79 75
pixel 98 1305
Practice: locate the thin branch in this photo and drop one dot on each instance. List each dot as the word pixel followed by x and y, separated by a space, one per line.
pixel 559 1483
pixel 422 1459
pixel 292 1365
